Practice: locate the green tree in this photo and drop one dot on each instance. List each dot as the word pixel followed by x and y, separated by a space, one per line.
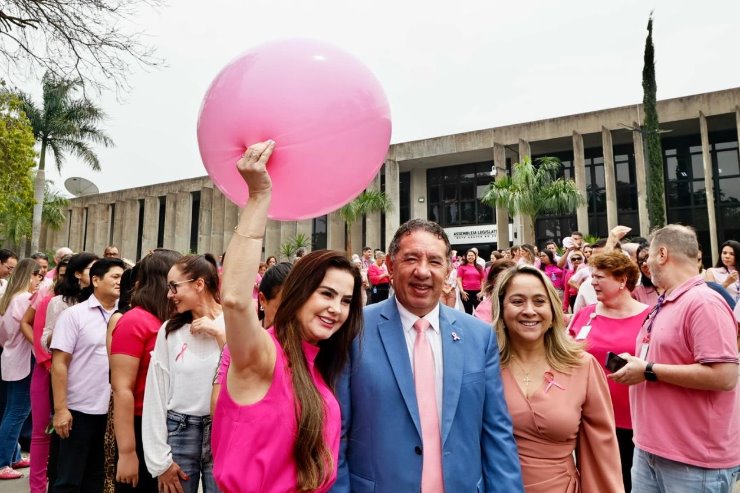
pixel 17 157
pixel 64 124
pixel 367 202
pixel 651 131
pixel 288 249
pixel 533 190
pixel 15 223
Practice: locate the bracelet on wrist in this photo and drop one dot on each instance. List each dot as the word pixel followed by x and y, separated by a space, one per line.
pixel 254 237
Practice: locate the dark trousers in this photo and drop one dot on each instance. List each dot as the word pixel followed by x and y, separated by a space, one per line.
pixel 472 302
pixel 626 451
pixel 81 459
pixel 147 484
pixel 380 292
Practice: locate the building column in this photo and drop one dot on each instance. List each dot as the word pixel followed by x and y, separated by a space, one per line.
pixel 609 178
pixel 709 186
pixel 151 225
pixel 169 221
pixel 75 229
pixel 418 190
pixel 61 236
pixel 231 219
pixel 217 222
pixel 372 220
pixel 521 222
pixel 98 227
pixel 183 213
pixel 335 231
pixel 392 189
pixel 204 221
pixel 579 171
pixel 43 237
pixel 119 216
pixel 272 239
pixel 641 176
pixel 131 228
pixel 502 213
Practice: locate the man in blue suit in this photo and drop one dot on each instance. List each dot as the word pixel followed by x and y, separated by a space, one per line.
pixel 384 445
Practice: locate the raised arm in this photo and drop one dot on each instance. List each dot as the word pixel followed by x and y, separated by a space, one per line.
pixel 251 348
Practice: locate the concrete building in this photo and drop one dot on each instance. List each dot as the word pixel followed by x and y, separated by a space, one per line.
pixel 444 178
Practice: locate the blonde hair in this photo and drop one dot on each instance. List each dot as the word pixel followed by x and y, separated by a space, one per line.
pixel 562 352
pixel 19 282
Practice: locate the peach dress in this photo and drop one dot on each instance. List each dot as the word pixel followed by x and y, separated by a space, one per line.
pixel 570 413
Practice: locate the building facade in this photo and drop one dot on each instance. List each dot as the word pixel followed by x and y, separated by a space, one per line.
pixel 444 179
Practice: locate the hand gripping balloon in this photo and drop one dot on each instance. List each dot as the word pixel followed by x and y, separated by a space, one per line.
pixel 325 110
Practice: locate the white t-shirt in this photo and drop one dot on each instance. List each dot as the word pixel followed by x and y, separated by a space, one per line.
pixel 180 379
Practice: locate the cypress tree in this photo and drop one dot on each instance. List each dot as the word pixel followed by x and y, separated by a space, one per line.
pixel 655 175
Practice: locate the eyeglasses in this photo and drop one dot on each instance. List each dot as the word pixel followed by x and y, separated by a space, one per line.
pixel 576 259
pixel 172 285
pixel 9 267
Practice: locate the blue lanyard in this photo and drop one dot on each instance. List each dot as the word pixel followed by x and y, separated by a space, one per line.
pixel 102 313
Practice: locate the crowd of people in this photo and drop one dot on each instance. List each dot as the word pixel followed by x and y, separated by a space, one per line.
pixel 607 367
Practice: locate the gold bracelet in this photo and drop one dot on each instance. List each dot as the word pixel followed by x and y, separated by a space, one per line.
pixel 248 236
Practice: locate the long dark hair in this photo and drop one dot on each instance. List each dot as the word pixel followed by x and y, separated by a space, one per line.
pixel 274 279
pixel 197 267
pixel 150 285
pixel 69 286
pixel 550 257
pixel 474 263
pixel 313 459
pixel 735 245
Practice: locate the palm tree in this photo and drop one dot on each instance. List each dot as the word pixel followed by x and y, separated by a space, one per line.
pixel 533 190
pixel 66 125
pixel 367 202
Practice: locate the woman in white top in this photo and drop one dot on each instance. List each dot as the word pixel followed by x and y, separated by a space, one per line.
pixel 16 362
pixel 725 273
pixel 176 422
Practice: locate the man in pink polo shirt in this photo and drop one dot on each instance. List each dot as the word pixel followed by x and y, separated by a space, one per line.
pixel 684 396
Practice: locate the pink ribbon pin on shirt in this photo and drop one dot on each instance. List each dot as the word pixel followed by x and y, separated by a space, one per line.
pixel 551 381
pixel 182 351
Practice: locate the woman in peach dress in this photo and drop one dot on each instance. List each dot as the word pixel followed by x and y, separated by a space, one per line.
pixel 556 392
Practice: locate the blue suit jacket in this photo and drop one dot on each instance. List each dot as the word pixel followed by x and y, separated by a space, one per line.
pixel 381 438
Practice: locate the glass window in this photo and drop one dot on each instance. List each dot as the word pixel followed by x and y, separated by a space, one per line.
pixel 727 163
pixel 729 190
pixel 697 165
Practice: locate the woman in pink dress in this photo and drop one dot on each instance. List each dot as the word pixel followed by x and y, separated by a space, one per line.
pixel 556 392
pixel 277 422
pixel 485 308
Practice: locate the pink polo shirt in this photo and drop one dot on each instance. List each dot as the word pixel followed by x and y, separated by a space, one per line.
pixel 16 356
pixel 697 427
pixel 80 331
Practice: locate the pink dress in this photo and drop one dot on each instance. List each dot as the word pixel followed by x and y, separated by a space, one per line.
pixel 253 444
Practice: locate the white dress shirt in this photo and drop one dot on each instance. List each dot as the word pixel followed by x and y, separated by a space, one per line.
pixel 434 336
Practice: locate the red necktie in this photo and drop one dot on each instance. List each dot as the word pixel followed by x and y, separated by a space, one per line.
pixel 426 398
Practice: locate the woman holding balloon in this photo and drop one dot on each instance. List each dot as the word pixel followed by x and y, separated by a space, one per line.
pixel 277 422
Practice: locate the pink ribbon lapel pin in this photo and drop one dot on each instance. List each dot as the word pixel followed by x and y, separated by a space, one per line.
pixel 550 377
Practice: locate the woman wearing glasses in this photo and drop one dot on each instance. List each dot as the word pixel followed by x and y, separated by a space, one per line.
pixel 645 291
pixel 612 324
pixel 176 422
pixel 16 362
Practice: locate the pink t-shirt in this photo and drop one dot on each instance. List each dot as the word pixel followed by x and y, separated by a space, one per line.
pixel 253 444
pixel 484 310
pixel 618 336
pixel 646 295
pixel 43 357
pixel 470 277
pixel 555 274
pixel 697 427
pixel 81 331
pixel 135 335
pixel 16 357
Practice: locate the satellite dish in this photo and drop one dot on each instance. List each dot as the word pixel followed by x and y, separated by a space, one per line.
pixel 79 186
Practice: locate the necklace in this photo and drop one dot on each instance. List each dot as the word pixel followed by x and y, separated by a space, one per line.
pixel 526 378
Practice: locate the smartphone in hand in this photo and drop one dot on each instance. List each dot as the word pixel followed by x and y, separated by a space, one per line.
pixel 614 362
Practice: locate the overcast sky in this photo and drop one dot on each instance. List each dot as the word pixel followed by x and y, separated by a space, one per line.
pixel 446 66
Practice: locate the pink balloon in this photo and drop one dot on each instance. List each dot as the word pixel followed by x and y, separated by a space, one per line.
pixel 325 110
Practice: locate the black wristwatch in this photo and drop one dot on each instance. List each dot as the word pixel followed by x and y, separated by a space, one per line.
pixel 650 375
